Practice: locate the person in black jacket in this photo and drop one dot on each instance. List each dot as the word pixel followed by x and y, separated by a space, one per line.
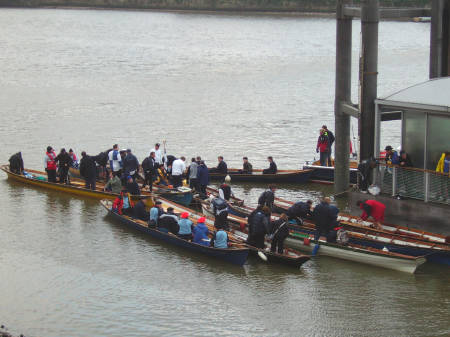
pixel 88 170
pixel 130 165
pixel 258 223
pixel 132 186
pixel 102 160
pixel 16 163
pixel 405 159
pixel 364 170
pixel 140 211
pixel 267 198
pixel 149 168
pixel 221 167
pixel 272 167
pixel 280 231
pixel 331 140
pixel 64 163
pixel 168 222
pixel 300 211
pixel 323 217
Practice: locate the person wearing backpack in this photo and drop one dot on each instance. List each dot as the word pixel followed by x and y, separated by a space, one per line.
pixel 220 209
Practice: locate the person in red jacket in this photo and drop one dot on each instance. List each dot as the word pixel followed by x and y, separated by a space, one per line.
pixel 323 146
pixel 372 208
pixel 123 204
pixel 50 164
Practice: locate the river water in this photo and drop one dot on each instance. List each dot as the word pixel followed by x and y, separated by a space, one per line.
pixel 209 84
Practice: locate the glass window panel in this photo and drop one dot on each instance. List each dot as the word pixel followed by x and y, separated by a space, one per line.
pixel 438 139
pixel 414 128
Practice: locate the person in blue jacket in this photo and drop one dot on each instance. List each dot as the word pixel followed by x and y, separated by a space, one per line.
pixel 202 178
pixel 201 232
pixel 220 239
pixel 185 231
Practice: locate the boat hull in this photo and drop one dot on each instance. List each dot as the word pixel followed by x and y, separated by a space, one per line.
pixel 299 176
pixel 233 256
pixel 326 173
pixel 403 264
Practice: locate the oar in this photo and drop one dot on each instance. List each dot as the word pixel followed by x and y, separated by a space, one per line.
pixel 262 255
pixel 315 249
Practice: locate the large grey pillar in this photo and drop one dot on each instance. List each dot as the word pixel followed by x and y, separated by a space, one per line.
pixel 440 39
pixel 342 95
pixel 368 75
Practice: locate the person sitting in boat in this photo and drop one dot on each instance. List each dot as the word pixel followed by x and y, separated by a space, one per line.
pixel 280 231
pixel 123 203
pixel 16 163
pixel 186 226
pixel 300 211
pixel 201 232
pixel 219 207
pixel 161 177
pixel 140 210
pixel 259 226
pixel 155 212
pixel 132 186
pixel 267 198
pixel 221 167
pixel 168 222
pixel 225 191
pixel 247 168
pixel 372 208
pixel 50 164
pixel 88 170
pixel 74 158
pixel 272 167
pixel 323 217
pixel 64 163
pixel 114 184
pixel 220 239
pixel 323 147
pixel 391 156
pixel 202 178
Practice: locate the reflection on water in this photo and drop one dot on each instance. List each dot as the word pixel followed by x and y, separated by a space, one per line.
pixel 208 84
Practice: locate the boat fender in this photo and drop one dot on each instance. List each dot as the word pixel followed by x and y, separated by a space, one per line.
pixel 306 241
pixel 385 249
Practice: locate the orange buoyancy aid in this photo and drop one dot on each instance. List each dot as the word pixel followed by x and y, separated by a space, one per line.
pixel 51 161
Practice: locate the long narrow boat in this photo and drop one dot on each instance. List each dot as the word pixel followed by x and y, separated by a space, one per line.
pixel 326 173
pixel 38 179
pixel 282 176
pixel 351 252
pixel 236 254
pixel 182 195
pixel 290 258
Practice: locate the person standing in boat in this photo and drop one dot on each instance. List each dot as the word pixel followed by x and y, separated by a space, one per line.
pixel 64 163
pixel 221 167
pixel 115 161
pixel 158 154
pixel 203 178
pixel 280 231
pixel 186 226
pixel 192 175
pixel 247 168
pixel 225 191
pixel 88 170
pixel 16 163
pixel 178 169
pixel 372 208
pixel 220 210
pixel 258 223
pixel 130 165
pixel 331 140
pixel 323 217
pixel 50 164
pixel 272 166
pixel 267 198
pixel 74 158
pixel 323 147
pixel 168 222
pixel 149 168
pixel 300 211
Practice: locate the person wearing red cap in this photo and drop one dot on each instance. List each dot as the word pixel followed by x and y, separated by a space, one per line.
pixel 186 225
pixel 201 232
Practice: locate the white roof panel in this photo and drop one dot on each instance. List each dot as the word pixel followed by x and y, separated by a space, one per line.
pixel 432 92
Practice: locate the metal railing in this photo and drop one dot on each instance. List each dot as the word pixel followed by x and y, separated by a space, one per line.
pixel 425 185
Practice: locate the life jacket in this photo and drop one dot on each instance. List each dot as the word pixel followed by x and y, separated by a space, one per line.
pixel 51 162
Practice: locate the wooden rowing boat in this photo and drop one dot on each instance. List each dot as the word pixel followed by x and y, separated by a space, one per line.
pixel 76 186
pixel 326 173
pixel 291 258
pixel 282 176
pixel 236 254
pixel 352 252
